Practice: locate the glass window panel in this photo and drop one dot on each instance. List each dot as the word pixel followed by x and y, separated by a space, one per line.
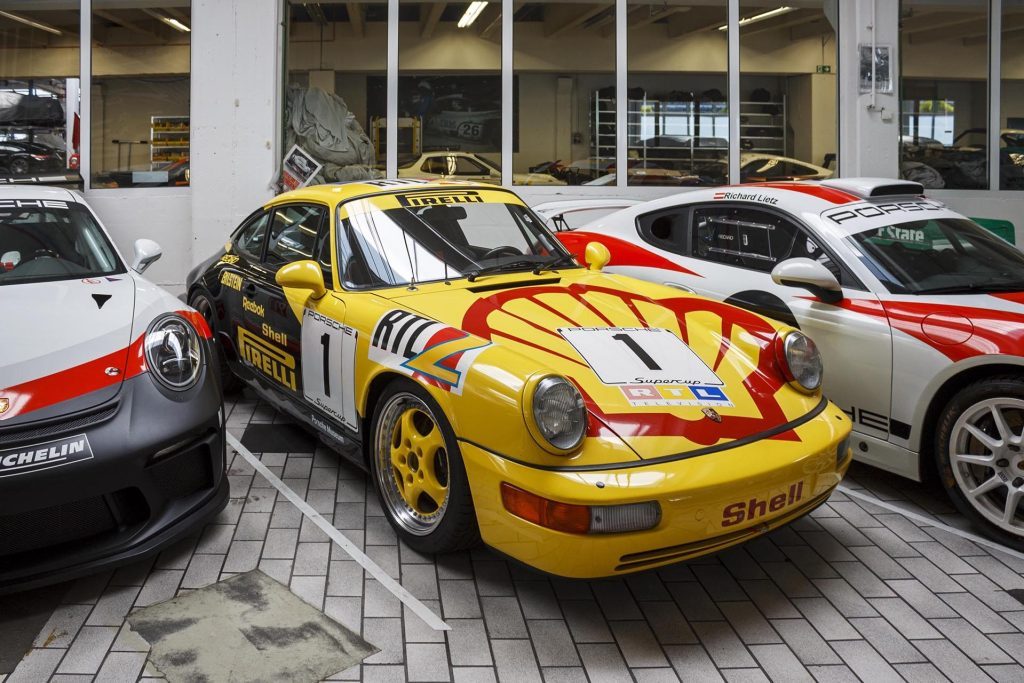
pixel 335 101
pixel 564 66
pixel 39 90
pixel 1011 137
pixel 449 90
pixel 678 112
pixel 293 233
pixel 944 93
pixel 788 90
pixel 141 89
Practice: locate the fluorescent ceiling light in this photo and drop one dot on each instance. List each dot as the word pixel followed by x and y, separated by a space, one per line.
pixel 170 21
pixel 174 23
pixel 34 24
pixel 472 12
pixel 761 17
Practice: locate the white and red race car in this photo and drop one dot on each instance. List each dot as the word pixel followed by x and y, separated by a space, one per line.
pixel 917 310
pixel 111 422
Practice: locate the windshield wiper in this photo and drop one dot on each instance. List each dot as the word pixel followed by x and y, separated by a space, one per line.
pixel 975 288
pixel 561 260
pixel 499 268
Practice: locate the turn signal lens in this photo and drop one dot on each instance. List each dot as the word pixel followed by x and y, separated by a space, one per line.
pixel 572 519
pixel 580 519
pixel 842 450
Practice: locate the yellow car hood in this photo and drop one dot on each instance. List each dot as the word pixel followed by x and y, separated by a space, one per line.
pixel 721 382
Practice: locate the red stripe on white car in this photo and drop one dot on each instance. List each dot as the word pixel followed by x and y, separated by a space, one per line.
pixel 65 385
pixel 957 332
pixel 828 194
pixel 623 253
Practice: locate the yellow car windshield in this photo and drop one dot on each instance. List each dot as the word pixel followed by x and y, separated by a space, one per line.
pixel 391 240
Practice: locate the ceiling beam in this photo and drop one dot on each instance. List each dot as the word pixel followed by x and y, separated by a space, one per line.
pixel 1011 24
pixel 430 20
pixel 124 23
pixel 768 26
pixel 561 18
pixel 355 18
pixel 976 24
pixel 653 17
pixel 177 14
pixel 914 24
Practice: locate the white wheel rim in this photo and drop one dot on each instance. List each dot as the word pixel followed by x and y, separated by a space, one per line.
pixel 987 459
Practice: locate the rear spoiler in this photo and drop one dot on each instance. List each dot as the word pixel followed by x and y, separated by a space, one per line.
pixel 870 188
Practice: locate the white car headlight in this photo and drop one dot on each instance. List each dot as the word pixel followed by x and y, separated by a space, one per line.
pixel 174 354
pixel 559 413
pixel 801 362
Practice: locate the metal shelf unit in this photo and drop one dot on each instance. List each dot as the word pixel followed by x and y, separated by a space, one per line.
pixel 168 140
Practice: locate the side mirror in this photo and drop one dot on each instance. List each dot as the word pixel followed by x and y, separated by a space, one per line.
pixel 146 254
pixel 811 275
pixel 597 256
pixel 302 275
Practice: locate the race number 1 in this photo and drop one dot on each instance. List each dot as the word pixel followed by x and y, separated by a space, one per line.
pixel 639 355
pixel 328 366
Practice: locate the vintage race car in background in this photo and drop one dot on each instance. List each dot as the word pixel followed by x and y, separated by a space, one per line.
pixel 111 425
pixel 917 310
pixel 465 166
pixel 582 423
pixel 460 117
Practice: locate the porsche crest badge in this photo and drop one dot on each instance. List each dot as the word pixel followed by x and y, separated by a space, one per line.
pixel 711 414
pixel 5 403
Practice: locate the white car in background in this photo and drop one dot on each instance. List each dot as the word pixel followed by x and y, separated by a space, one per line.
pixel 465 166
pixel 918 312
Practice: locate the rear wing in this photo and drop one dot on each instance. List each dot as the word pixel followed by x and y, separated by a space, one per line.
pixel 871 188
pixel 568 214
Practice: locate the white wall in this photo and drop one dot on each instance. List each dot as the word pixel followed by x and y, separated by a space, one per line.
pixel 164 215
pixel 236 85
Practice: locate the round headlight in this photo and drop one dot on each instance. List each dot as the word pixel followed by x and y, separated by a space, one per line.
pixel 802 362
pixel 174 354
pixel 559 413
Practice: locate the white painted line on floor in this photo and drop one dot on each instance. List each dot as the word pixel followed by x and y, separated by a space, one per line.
pixel 417 607
pixel 974 538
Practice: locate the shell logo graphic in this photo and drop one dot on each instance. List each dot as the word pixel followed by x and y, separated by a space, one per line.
pixel 726 338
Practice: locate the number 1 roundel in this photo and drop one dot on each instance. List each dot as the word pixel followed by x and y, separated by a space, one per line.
pixel 618 355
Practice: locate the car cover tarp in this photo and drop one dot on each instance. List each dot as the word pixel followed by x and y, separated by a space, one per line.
pixel 320 123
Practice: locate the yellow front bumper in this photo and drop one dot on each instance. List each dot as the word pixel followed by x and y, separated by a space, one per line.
pixel 771 481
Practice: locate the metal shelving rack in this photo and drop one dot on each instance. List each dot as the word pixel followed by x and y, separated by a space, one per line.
pixel 648 118
pixel 168 140
pixel 763 127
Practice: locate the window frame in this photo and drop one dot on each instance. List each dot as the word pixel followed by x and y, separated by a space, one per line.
pixel 246 222
pixel 847 280
pixel 273 214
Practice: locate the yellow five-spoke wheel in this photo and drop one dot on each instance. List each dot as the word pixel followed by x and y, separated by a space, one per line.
pixel 418 471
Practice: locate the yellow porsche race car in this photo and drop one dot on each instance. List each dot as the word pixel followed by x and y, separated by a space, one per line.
pixel 583 423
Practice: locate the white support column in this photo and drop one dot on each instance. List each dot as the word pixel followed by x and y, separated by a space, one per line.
pixel 85 92
pixel 733 42
pixel 621 96
pixel 995 79
pixel 391 129
pixel 507 103
pixel 869 127
pixel 236 114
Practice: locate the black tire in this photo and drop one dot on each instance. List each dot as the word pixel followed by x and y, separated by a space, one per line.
pixel 229 382
pixel 976 400
pixel 457 527
pixel 19 167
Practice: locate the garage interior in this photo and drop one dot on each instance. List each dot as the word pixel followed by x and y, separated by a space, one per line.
pixel 146 107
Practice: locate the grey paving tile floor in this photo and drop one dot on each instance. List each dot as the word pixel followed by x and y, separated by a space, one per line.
pixel 851 592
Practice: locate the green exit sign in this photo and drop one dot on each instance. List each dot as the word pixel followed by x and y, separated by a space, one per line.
pixel 824 69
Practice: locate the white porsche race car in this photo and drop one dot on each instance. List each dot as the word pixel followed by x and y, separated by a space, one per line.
pixel 111 424
pixel 917 310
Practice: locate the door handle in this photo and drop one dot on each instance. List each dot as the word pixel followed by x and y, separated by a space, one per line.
pixel 249 290
pixel 676 285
